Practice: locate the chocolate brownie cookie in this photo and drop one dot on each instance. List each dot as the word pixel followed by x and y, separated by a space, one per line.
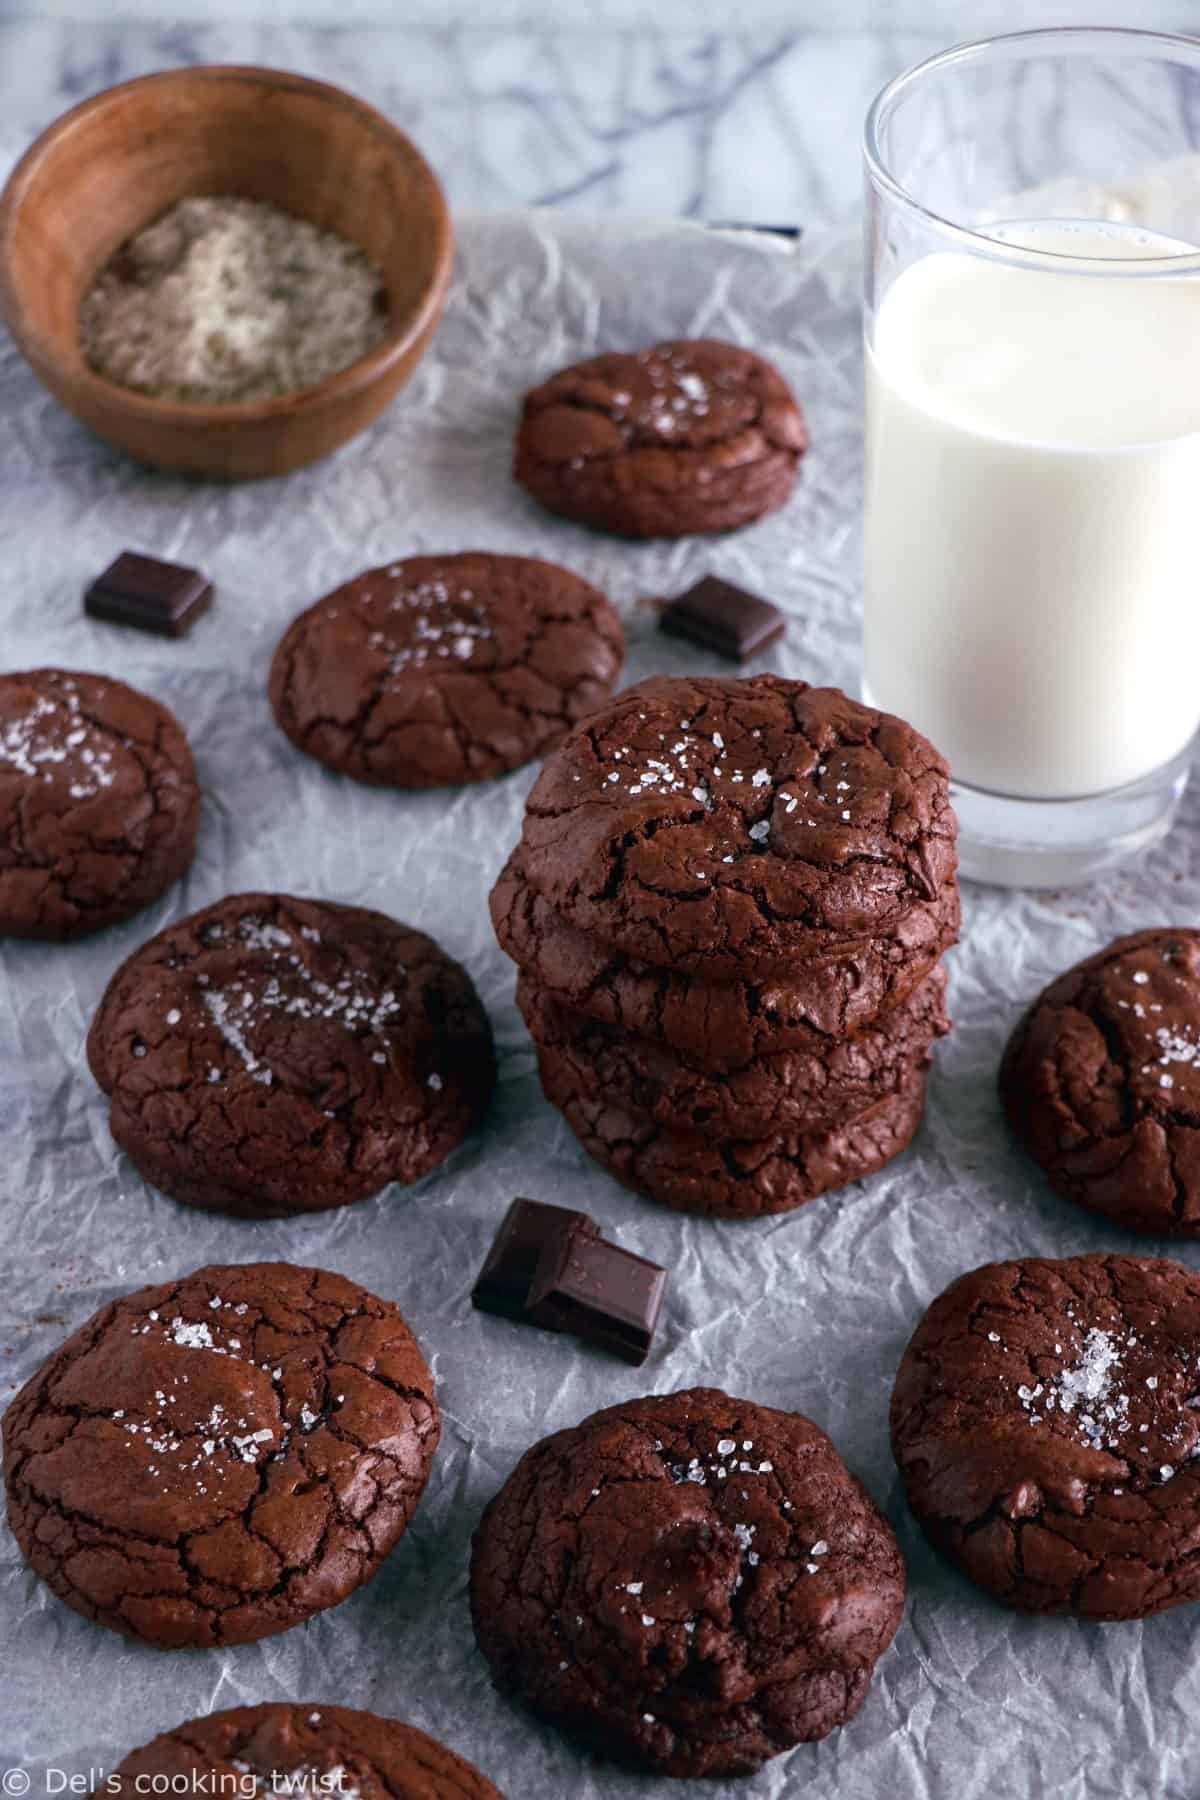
pixel 689 1581
pixel 699 1172
pixel 444 669
pixel 313 1752
pixel 694 435
pixel 725 1024
pixel 269 1056
pixel 726 827
pixel 792 1090
pixel 98 803
pixel 216 1458
pixel 1045 1423
pixel 1101 1082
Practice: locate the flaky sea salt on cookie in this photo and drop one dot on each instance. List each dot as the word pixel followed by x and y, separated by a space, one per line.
pixel 727 828
pixel 439 670
pixel 216 1458
pixel 269 1055
pixel 690 1582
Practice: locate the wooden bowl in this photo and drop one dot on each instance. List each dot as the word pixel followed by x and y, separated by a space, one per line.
pixel 111 165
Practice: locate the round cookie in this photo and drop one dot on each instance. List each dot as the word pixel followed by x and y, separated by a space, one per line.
pixel 98 803
pixel 1044 1421
pixel 698 1172
pixel 792 1091
pixel 269 1056
pixel 726 827
pixel 689 1581
pixel 216 1458
pixel 687 436
pixel 1101 1082
pixel 444 669
pixel 306 1750
pixel 724 1024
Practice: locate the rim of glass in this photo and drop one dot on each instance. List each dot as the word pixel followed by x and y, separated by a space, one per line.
pixel 1169 45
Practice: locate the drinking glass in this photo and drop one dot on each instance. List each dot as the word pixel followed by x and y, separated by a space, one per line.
pixel 1032 526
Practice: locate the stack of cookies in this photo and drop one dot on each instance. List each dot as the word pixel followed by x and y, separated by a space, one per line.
pixel 728 908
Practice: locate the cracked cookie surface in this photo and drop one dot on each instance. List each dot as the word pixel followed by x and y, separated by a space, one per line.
pixel 725 827
pixel 724 1178
pixel 793 1090
pixel 269 1055
pixel 687 436
pixel 214 1459
pixel 689 1581
pixel 1100 1082
pixel 1046 1422
pixel 98 803
pixel 440 670
pixel 307 1751
pixel 726 1024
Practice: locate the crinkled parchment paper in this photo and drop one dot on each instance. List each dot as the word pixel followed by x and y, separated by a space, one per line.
pixel 809 1312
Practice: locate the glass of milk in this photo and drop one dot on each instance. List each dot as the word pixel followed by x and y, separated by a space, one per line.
pixel 1032 530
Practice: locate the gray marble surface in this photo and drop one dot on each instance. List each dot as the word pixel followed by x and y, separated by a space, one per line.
pixel 686 107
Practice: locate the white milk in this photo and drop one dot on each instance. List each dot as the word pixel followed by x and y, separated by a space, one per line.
pixel 1032 595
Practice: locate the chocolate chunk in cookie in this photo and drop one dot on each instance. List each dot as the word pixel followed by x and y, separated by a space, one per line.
pixel 724 1024
pixel 1101 1081
pixel 691 1582
pixel 303 1750
pixel 98 803
pixel 792 1090
pixel 444 669
pixel 269 1056
pixel 217 1458
pixel 700 1172
pixel 693 435
pixel 1045 1423
pixel 726 827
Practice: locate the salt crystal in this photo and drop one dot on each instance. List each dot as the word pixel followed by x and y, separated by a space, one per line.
pixel 191 1337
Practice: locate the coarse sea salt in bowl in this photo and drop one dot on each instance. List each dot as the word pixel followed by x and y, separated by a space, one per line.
pixel 103 171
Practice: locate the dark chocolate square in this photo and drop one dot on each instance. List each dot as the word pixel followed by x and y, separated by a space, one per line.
pixel 724 618
pixel 503 1283
pixel 151 595
pixel 602 1293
